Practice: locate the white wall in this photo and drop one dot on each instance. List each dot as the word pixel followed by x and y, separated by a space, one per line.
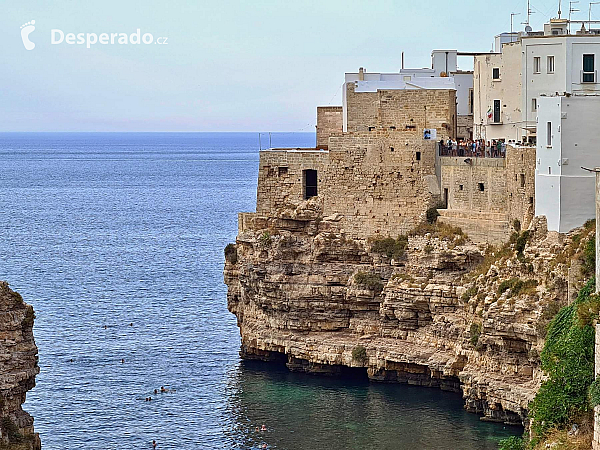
pixel 566 196
pixel 464 83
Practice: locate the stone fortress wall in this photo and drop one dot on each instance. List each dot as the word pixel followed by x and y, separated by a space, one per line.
pixel 329 122
pixel 380 177
pixel 486 195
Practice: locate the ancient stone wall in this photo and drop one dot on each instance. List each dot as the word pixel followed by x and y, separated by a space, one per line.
pixel 281 176
pixel 486 195
pixel 329 122
pixel 405 110
pixel 381 182
pixel 464 127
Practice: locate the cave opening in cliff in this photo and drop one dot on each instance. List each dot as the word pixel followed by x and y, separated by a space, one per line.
pixel 310 183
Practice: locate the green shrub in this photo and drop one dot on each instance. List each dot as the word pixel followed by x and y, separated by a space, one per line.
pixel 512 443
pixel 428 249
pixel 359 354
pixel 392 248
pixel 474 332
pixel 521 243
pixel 568 360
pixel 231 253
pixel 588 266
pixel 594 393
pixel 369 280
pixel 517 286
pixel 432 214
pixel 470 293
pixel 265 239
pixel 517 225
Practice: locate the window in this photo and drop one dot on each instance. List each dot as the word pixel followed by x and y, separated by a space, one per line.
pixel 534 104
pixel 460 187
pixel 550 64
pixel 531 200
pixel 406 78
pixel 549 170
pixel 480 187
pixel 588 74
pixel 391 149
pixel 471 98
pixel 549 134
pixel 371 128
pixel 522 180
pixel 418 156
pixel 496 73
pixel 496 111
pixel 283 171
pixel 310 183
pixel 536 64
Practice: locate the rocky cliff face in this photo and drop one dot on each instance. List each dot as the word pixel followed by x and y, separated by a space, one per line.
pixel 18 368
pixel 441 312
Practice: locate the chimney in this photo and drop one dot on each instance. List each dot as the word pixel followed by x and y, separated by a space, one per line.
pixel 361 74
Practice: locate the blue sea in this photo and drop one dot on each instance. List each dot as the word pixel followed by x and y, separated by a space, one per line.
pixel 117 240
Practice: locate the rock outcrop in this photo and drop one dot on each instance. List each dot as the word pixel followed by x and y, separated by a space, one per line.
pixel 443 312
pixel 18 368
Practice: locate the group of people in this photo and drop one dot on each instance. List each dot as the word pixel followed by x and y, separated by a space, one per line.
pixel 477 148
pixel 163 390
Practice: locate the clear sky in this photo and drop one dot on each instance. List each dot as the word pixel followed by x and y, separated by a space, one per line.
pixel 228 65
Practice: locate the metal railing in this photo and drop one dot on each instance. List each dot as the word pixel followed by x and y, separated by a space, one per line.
pixel 491 151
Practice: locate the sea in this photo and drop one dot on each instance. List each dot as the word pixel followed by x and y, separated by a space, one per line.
pixel 117 241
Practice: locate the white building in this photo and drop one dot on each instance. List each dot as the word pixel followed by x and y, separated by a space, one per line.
pixel 548 63
pixel 568 138
pixel 443 74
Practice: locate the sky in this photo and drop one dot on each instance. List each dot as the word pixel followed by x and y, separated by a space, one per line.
pixel 227 65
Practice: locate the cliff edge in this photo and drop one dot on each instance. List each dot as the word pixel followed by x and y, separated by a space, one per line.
pixel 429 308
pixel 18 368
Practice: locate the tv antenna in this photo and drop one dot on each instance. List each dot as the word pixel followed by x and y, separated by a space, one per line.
pixel 559 11
pixel 511 25
pixel 572 10
pixel 529 13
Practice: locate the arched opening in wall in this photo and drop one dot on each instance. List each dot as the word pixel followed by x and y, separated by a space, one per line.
pixel 309 181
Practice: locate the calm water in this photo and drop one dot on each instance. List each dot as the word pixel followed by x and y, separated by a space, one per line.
pixel 117 240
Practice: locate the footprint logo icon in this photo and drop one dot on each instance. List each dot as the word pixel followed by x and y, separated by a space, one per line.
pixel 26 30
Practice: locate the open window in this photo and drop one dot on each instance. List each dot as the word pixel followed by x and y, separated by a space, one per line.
pixel 310 183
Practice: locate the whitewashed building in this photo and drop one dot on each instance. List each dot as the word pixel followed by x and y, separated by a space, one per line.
pixel 568 137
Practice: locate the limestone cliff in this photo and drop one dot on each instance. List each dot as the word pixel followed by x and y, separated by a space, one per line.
pixel 436 310
pixel 18 368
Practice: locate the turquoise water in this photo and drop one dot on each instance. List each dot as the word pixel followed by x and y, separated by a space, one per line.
pixel 117 240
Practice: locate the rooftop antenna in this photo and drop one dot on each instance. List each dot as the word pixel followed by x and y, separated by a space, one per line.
pixel 559 11
pixel 529 13
pixel 511 25
pixel 572 10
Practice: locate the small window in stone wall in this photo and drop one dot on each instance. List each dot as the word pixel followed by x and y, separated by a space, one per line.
pixel 393 128
pixel 480 187
pixel 460 187
pixel 283 171
pixel 418 156
pixel 531 200
pixel 391 149
pixel 522 180
pixel 371 128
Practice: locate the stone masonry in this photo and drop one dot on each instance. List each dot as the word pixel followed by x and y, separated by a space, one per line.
pixel 486 195
pixel 329 122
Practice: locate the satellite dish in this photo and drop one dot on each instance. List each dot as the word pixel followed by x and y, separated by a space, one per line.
pixel 528 29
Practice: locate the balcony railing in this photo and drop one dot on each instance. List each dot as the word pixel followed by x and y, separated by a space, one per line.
pixel 462 150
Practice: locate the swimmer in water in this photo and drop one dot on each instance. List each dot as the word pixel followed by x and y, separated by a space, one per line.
pixel 155 391
pixel 263 428
pixel 122 360
pixel 257 429
pixel 153 444
pixel 264 446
